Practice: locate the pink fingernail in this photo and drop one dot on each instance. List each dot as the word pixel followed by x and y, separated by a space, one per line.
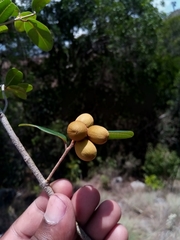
pixel 55 210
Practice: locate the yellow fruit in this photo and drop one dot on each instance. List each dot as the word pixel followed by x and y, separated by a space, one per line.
pixel 77 130
pixel 85 150
pixel 98 134
pixel 86 118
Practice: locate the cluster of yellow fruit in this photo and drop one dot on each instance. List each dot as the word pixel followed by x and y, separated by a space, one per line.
pixel 85 135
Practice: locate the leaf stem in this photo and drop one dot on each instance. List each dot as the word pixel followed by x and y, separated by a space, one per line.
pixel 18 18
pixel 67 149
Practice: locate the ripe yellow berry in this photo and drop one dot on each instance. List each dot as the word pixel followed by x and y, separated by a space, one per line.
pixel 98 134
pixel 85 150
pixel 86 118
pixel 77 130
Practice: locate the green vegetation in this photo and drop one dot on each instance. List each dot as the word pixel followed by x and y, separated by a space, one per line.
pixel 117 60
pixel 153 182
pixel 161 162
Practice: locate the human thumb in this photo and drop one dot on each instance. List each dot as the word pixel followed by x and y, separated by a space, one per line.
pixel 59 220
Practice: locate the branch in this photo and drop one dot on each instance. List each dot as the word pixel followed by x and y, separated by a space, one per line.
pixel 28 160
pixel 19 18
pixel 30 163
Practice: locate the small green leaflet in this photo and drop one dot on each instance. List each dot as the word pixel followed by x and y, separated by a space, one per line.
pixel 38 5
pixel 39 34
pixel 26 86
pixel 7 9
pixel 19 24
pixel 15 86
pixel 3 28
pixel 13 77
pixel 46 130
pixel 16 11
pixel 17 91
pixel 20 90
pixel 119 134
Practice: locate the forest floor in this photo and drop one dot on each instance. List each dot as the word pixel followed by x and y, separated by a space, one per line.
pixel 147 214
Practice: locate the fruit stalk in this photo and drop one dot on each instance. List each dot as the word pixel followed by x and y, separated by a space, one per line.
pixel 67 149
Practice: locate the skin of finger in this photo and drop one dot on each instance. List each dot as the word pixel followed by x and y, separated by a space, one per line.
pixel 65 229
pixel 118 232
pixel 26 225
pixel 103 220
pixel 63 186
pixel 84 201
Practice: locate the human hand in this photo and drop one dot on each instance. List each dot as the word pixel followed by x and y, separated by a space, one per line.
pixel 55 218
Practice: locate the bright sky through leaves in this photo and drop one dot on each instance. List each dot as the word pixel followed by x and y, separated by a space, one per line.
pixel 168 8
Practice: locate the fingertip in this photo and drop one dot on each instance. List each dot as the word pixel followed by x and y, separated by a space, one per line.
pixel 62 186
pixel 103 220
pixel 118 232
pixel 85 200
pixel 55 210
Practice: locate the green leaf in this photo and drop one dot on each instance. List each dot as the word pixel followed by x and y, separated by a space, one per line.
pixel 39 34
pixel 46 130
pixel 3 4
pixel 26 86
pixel 6 10
pixel 16 11
pixel 3 28
pixel 37 5
pixel 7 93
pixel 13 77
pixel 17 90
pixel 120 134
pixel 19 24
pixel 14 85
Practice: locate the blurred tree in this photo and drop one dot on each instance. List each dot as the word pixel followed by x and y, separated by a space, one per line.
pixel 169 36
pixel 169 80
pixel 104 61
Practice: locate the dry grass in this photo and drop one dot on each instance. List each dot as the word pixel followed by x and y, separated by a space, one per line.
pixel 152 215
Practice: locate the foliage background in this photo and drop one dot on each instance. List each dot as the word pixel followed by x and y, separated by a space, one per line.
pixel 117 60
